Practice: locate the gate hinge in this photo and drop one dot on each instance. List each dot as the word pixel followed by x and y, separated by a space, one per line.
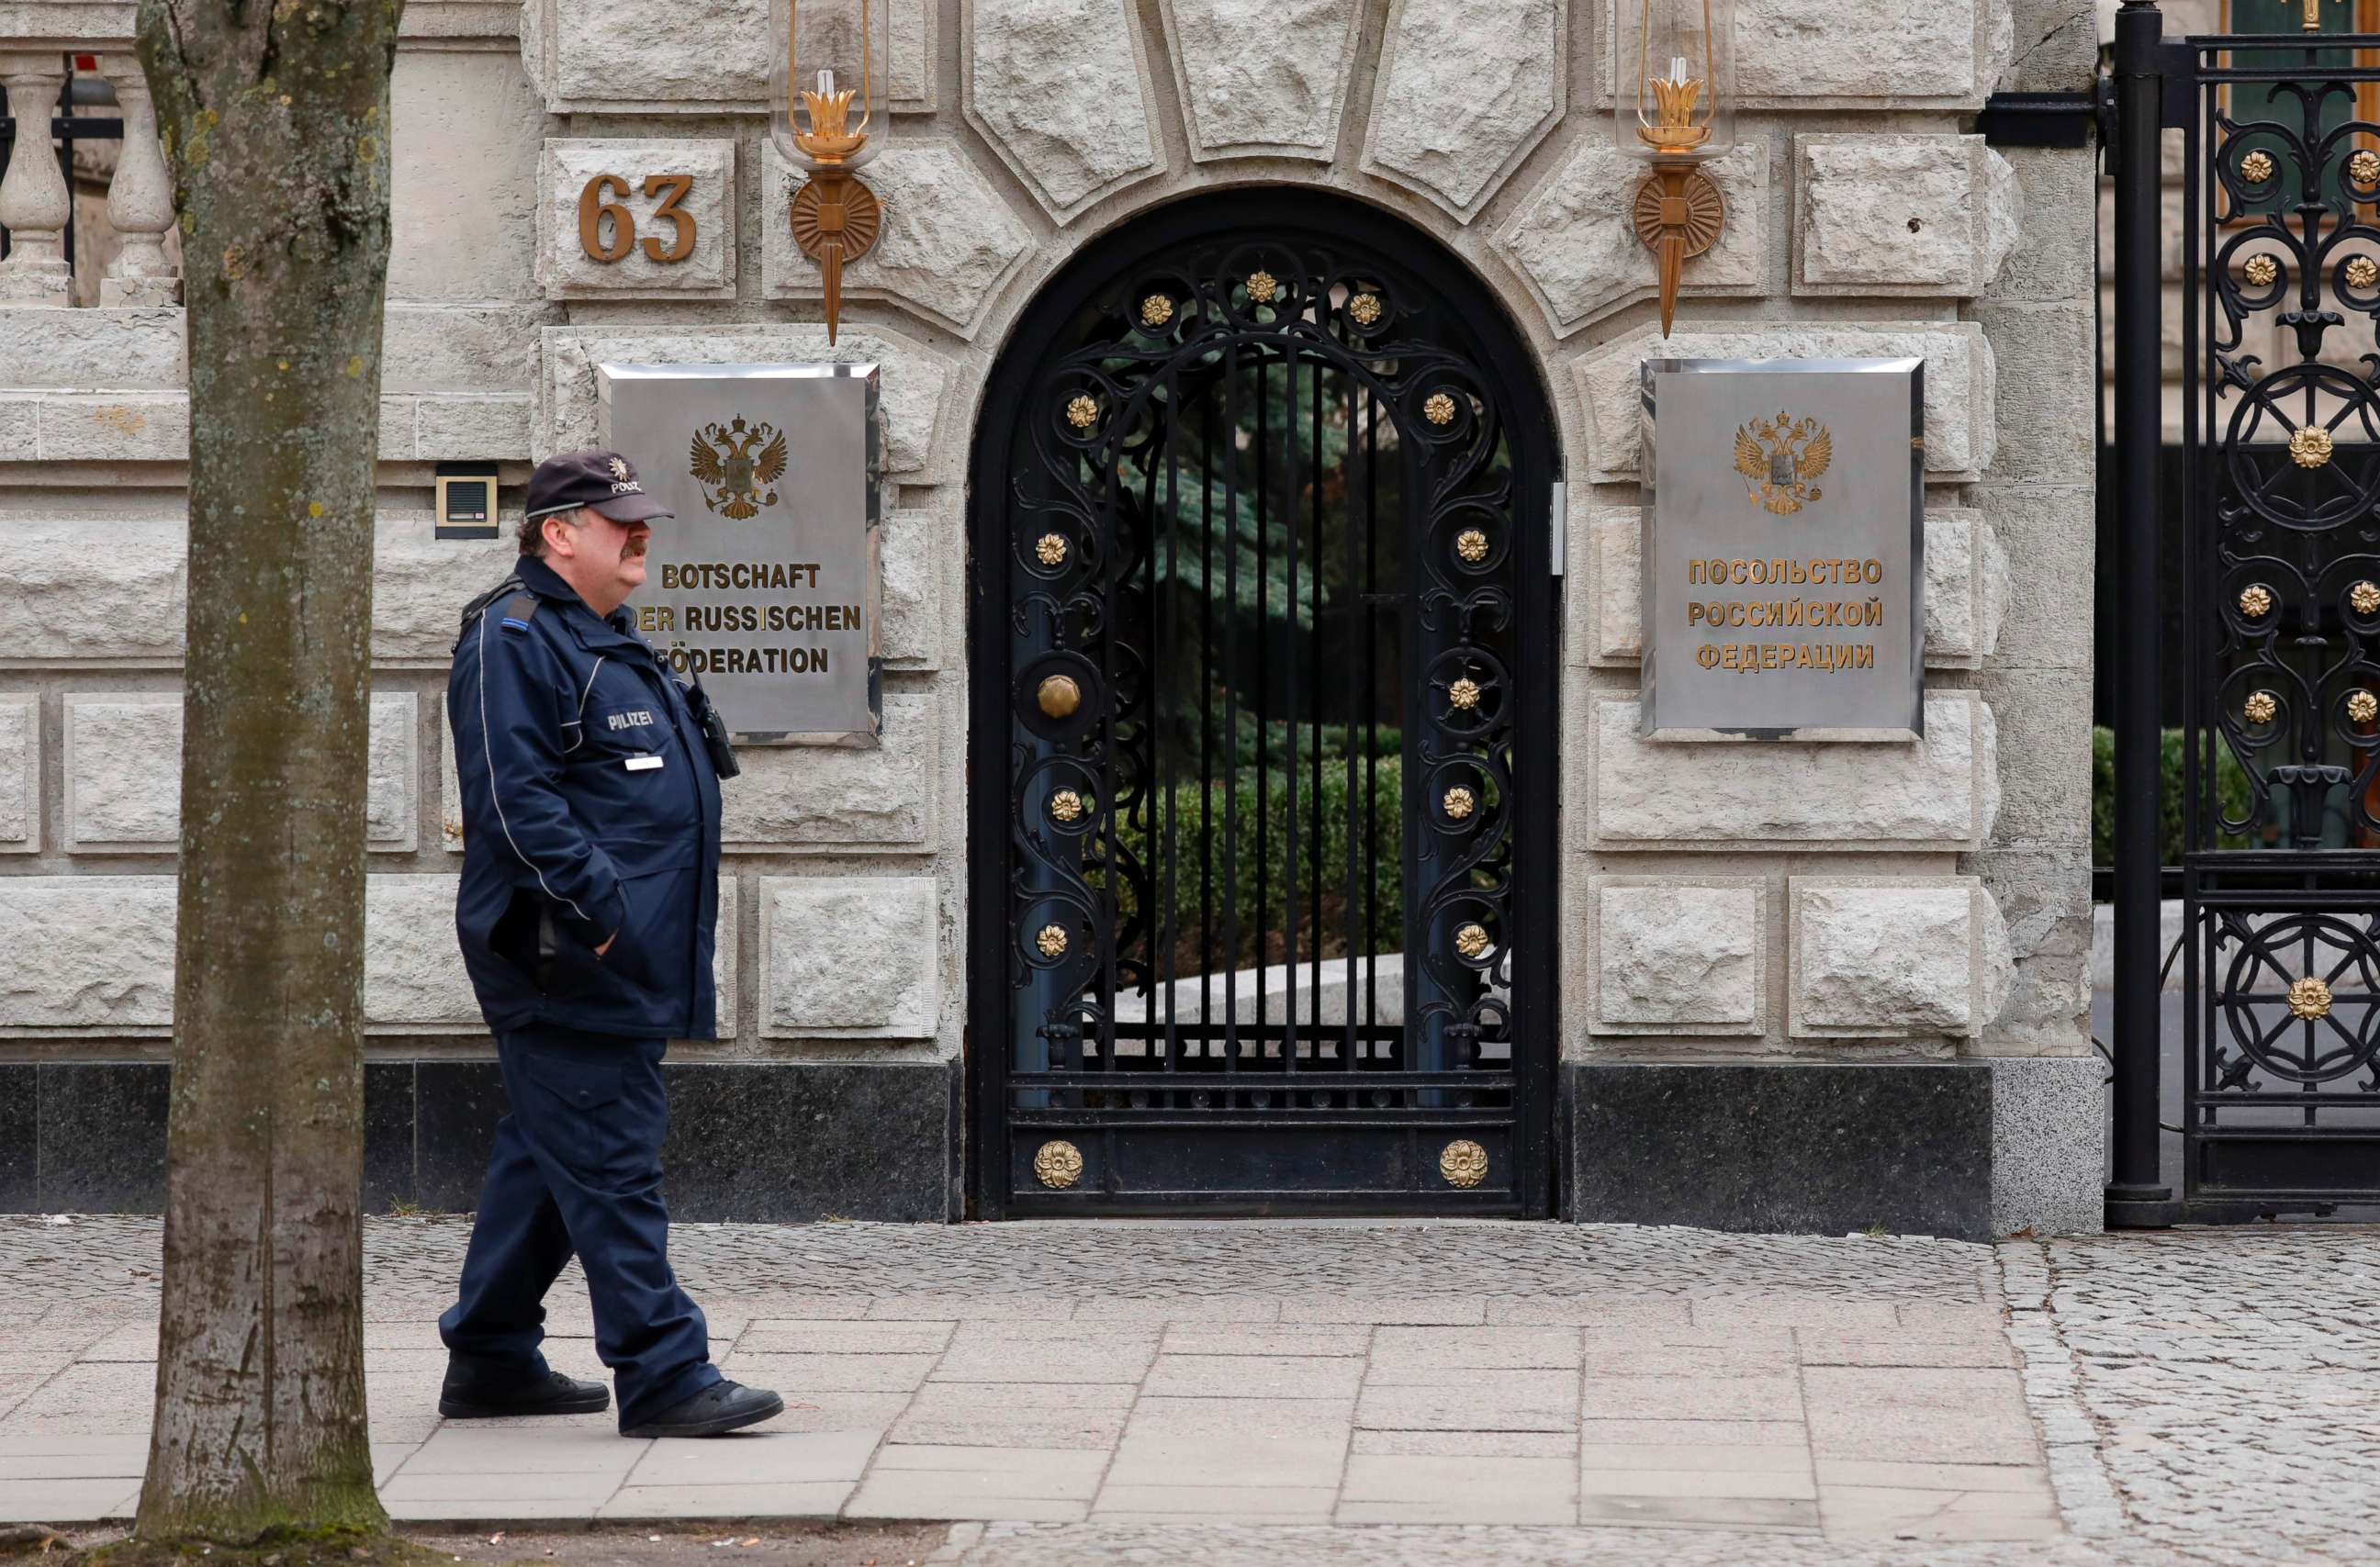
pixel 1558 514
pixel 2039 120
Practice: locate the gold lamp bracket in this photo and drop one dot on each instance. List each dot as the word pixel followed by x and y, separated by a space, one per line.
pixel 835 219
pixel 1679 212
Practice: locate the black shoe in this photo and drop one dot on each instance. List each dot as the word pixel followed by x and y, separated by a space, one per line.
pixel 464 1399
pixel 716 1410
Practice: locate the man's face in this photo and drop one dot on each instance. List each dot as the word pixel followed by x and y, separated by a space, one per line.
pixel 603 559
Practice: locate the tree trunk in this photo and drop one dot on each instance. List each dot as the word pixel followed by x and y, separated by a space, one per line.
pixel 274 116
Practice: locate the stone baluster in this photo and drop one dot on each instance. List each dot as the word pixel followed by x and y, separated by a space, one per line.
pixel 139 198
pixel 34 203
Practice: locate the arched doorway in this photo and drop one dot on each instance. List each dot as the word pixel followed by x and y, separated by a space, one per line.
pixel 1261 763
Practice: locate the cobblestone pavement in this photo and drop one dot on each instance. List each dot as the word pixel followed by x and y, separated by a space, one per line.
pixel 1379 1392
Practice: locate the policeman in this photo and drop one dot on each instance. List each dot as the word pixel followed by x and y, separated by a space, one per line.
pixel 589 894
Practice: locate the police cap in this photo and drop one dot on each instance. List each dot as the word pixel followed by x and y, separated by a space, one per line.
pixel 605 480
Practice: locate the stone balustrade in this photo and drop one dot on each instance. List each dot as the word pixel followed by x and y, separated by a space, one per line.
pixel 35 201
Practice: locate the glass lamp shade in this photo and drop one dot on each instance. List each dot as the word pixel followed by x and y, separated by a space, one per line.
pixel 829 108
pixel 1676 90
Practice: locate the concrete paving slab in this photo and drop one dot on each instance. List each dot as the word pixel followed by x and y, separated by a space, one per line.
pixel 1594 1432
pixel 1468 1444
pixel 778 1336
pixel 1015 1414
pixel 928 1494
pixel 1919 1415
pixel 1860 1512
pixel 1673 1361
pixel 535 1492
pixel 990 1353
pixel 1254 1310
pixel 1505 1347
pixel 967 1308
pixel 810 1411
pixel 466 1450
pixel 1547 1402
pixel 1420 1310
pixel 1236 1418
pixel 1603 1311
pixel 1215 1504
pixel 1903 1348
pixel 1702 1482
pixel 1398 1488
pixel 133 1341
pixel 1148 1458
pixel 88 1400
pixel 1756 1515
pixel 756 1458
pixel 1293 1339
pixel 1254 1375
pixel 1729 1313
pixel 64 1501
pixel 829 1373
pixel 770 1500
pixel 1759 1398
pixel 1688 1457
pixel 1071 1474
pixel 2013 1477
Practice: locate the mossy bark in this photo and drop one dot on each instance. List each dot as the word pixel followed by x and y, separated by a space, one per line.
pixel 275 120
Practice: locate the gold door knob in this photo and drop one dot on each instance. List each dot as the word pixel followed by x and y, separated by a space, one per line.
pixel 1058 695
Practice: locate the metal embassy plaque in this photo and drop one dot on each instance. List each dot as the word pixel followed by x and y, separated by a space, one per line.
pixel 1784 560
pixel 765 582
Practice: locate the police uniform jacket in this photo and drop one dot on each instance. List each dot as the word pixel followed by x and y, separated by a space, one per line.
pixel 590 809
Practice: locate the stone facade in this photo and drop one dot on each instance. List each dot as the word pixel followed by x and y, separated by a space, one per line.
pixel 1922 905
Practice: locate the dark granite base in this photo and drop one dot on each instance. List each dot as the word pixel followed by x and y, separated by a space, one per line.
pixel 765 1142
pixel 1793 1148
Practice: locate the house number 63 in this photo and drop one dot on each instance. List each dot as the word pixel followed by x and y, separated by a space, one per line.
pixel 601 200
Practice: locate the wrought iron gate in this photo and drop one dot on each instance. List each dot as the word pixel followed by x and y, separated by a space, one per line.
pixel 1262 732
pixel 2280 529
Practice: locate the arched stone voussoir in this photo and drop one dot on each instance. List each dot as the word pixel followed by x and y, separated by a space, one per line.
pixel 1262 77
pixel 1061 90
pixel 1464 92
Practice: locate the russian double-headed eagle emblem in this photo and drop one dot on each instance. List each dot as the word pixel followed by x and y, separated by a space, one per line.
pixel 1781 460
pixel 734 464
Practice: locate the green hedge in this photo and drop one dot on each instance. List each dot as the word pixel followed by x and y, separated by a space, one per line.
pixel 1200 839
pixel 2230 788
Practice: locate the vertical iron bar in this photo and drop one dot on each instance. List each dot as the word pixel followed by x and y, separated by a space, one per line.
pixel 1359 721
pixel 1371 701
pixel 1206 726
pixel 1296 683
pixel 1166 934
pixel 1231 459
pixel 1264 682
pixel 1313 700
pixel 2136 1197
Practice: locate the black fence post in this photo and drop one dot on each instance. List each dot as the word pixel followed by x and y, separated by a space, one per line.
pixel 2137 1197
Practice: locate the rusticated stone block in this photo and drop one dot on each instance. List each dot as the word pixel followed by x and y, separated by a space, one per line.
pixel 946 262
pixel 474 429
pixel 914 377
pixel 828 796
pixel 920 550
pixel 1901 214
pixel 1463 92
pixel 21 773
pixel 414 977
pixel 1678 955
pixel 116 974
pixel 1799 54
pixel 1575 240
pixel 850 957
pixel 123 770
pixel 1960 431
pixel 119 427
pixel 1891 957
pixel 128 347
pixel 1966 589
pixel 564 268
pixel 1939 793
pixel 449 349
pixel 701 57
pixel 1061 90
pixel 421 582
pixel 85 591
pixel 1244 94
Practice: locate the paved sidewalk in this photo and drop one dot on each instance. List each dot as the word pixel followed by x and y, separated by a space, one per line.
pixel 1116 1393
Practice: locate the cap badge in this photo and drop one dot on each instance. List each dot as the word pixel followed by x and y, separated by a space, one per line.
pixel 619 468
pixel 735 463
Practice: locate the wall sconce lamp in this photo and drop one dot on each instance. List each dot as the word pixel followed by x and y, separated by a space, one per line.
pixel 1675 108
pixel 826 87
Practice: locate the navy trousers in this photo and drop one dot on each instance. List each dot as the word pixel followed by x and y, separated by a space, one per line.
pixel 577 1168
